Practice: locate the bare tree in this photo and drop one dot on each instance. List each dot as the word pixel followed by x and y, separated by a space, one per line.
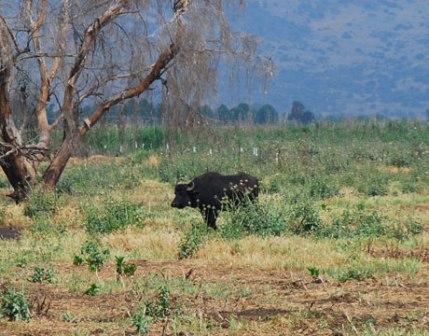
pixel 63 53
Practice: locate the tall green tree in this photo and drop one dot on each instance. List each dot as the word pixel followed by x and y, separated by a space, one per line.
pixel 299 114
pixel 267 114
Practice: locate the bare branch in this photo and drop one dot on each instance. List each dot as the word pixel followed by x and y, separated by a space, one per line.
pixel 163 60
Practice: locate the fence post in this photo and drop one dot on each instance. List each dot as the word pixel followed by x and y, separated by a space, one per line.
pixel 255 151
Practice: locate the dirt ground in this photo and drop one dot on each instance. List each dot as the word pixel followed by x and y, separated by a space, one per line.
pixel 277 303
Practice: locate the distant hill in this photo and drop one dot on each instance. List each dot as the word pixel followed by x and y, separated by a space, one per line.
pixel 342 56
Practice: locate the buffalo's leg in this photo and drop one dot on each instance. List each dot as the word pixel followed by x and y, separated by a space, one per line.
pixel 210 216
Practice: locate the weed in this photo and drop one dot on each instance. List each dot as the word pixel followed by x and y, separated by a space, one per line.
pixel 122 268
pixel 314 271
pixel 253 219
pixel 69 317
pixel 192 240
pixel 14 306
pixel 113 216
pixel 41 204
pixel 43 275
pixel 141 322
pixel 93 254
pixel 162 307
pixel 93 289
pixel 303 218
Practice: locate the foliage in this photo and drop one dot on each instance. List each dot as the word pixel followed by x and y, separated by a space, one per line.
pixel 14 305
pixel 93 255
pixel 93 289
pixel 253 218
pixel 267 114
pixel 41 204
pixel 361 222
pixel 141 322
pixel 314 271
pixel 43 275
pixel 123 268
pixel 303 218
pixel 192 240
pixel 112 216
pixel 299 114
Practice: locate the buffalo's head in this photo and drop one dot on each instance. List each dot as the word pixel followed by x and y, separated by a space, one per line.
pixel 183 195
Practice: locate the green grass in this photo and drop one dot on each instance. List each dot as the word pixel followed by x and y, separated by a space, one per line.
pixel 344 203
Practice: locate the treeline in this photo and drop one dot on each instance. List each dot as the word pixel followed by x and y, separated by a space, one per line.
pixel 150 113
pixel 144 110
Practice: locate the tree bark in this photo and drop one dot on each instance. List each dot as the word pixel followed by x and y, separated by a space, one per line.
pixel 21 173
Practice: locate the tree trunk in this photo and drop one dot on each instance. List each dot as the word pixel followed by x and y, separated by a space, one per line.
pixel 59 162
pixel 21 173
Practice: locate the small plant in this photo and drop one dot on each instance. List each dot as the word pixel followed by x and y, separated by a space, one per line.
pixel 304 219
pixel 192 240
pixel 122 268
pixel 322 189
pixel 93 255
pixel 77 260
pixel 355 272
pixel 69 317
pixel 160 308
pixel 14 306
pixel 43 275
pixel 314 271
pixel 93 290
pixel 141 322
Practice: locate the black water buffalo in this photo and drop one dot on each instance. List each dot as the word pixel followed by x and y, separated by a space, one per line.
pixel 209 191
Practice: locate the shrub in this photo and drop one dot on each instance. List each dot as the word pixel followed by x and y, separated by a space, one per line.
pixel 141 322
pixel 192 240
pixel 253 219
pixel 355 272
pixel 93 290
pixel 314 271
pixel 303 218
pixel 41 204
pixel 321 189
pixel 43 275
pixel 14 306
pixel 93 254
pixel 153 137
pixel 357 223
pixel 363 223
pixel 113 216
pixel 122 268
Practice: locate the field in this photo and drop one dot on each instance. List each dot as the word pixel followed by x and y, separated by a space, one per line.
pixel 338 243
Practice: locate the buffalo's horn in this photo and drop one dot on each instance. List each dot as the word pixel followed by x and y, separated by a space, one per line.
pixel 191 186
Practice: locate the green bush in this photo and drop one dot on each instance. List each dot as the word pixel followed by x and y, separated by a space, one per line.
pixel 303 218
pixel 93 255
pixel 253 218
pixel 355 272
pixel 362 222
pixel 322 189
pixel 192 240
pixel 14 305
pixel 93 290
pixel 41 204
pixel 43 275
pixel 113 216
pixel 141 322
pixel 123 268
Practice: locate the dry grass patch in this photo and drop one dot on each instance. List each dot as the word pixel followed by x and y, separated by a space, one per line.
pixel 272 253
pixel 146 243
pixel 151 192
